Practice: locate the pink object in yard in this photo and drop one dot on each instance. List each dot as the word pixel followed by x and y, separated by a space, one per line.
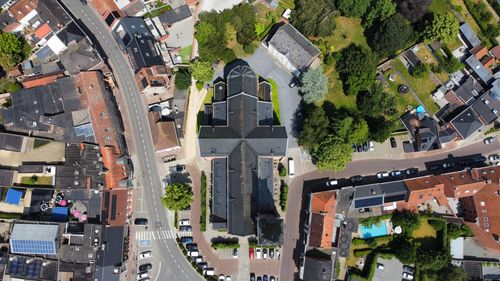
pixel 76 214
pixel 63 203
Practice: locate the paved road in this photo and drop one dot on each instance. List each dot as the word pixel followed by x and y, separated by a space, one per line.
pixel 172 265
pixel 292 247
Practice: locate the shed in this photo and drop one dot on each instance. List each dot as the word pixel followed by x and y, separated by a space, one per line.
pixel 14 196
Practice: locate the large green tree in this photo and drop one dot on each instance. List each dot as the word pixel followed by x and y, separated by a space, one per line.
pixel 314 129
pixel 9 85
pixel 395 33
pixel 350 130
pixel 204 31
pixel 405 248
pixel 314 17
pixel 413 10
pixel 443 28
pixel 313 85
pixel 377 103
pixel 353 8
pixel 201 70
pixel 183 78
pixel 407 219
pixel 356 67
pixel 178 196
pixel 13 50
pixel 332 154
pixel 453 273
pixel 379 10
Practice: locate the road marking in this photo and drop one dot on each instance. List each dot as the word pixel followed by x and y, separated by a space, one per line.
pixel 159 270
pixel 153 234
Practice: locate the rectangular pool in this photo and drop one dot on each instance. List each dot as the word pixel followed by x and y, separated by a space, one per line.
pixel 374 230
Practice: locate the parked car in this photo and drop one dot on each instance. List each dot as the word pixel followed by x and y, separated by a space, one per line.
pixel 186 239
pixel 409 269
pixel 142 275
pixel 293 83
pixel 222 277
pixel 489 140
pixel 271 253
pixel 235 253
pixel 251 253
pixel 84 2
pixel 447 165
pixel 145 267
pixel 145 279
pixel 258 253
pixel 209 271
pixel 141 221
pixel 228 278
pixel 180 169
pixel 193 253
pixel 265 277
pixel 277 253
pixel 252 276
pixel 359 147
pixel 191 246
pixel 494 157
pixel 202 265
pixel 411 171
pixel 145 255
pixel 357 178
pixel 380 266
pixel 264 253
pixel 396 173
pixel 354 147
pixel 372 146
pixel 185 228
pixel 271 278
pixel 332 183
pixel 184 222
pixel 382 175
pixel 407 276
pixel 365 146
pixel 434 167
pixel 259 278
pixel 198 259
pixel 393 143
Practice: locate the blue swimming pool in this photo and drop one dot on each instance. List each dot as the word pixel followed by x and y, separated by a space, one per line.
pixel 374 230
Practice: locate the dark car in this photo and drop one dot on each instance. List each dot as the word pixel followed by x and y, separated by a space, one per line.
pixel 186 239
pixel 145 267
pixel 180 168
pixel 293 83
pixel 360 148
pixel 84 2
pixel 141 221
pixel 365 146
pixel 252 277
pixel 259 278
pixel 411 171
pixel 434 167
pixel 408 269
pixel 447 165
pixel 185 228
pixel 265 278
pixel 354 147
pixel 192 246
pixel 393 143
pixel 271 253
pixel 202 265
pixel 357 178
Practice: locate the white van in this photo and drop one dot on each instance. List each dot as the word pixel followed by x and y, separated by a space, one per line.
pixel 209 272
pixel 291 167
pixel 194 254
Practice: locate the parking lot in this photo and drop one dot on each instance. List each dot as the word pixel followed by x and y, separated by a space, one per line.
pixel 393 270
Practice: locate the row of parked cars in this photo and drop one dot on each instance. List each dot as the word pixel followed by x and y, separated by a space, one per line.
pixel 144 269
pixel 193 252
pixel 264 277
pixel 263 253
pixel 364 147
pixel 408 271
pixel 397 173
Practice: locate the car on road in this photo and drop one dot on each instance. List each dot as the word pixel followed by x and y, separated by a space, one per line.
pixel 185 228
pixel 357 178
pixel 382 175
pixel 193 253
pixel 494 157
pixel 396 173
pixel 259 278
pixel 202 265
pixel 372 146
pixel 411 171
pixel 409 269
pixel 293 83
pixel 407 276
pixel 145 267
pixel 181 169
pixel 222 277
pixel 141 221
pixel 84 2
pixel 252 276
pixel 184 222
pixel 365 146
pixel 332 183
pixel 265 277
pixel 380 266
pixel 235 253
pixel 271 253
pixel 142 275
pixel 489 140
pixel 272 278
pixel 251 253
pixel 447 165
pixel 186 239
pixel 145 255
pixel 258 253
pixel 264 253
pixel 393 142
pixel 145 279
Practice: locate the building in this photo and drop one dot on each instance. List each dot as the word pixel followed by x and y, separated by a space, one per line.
pixel 11 142
pixel 384 195
pixel 292 49
pixel 241 143
pixel 468 36
pixel 111 259
pixel 478 70
pixel 80 242
pixel 318 269
pixel 176 27
pixel 467 123
pixel 163 131
pixel 321 219
pixel 421 191
pixel 34 239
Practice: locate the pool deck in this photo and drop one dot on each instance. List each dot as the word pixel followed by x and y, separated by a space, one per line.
pixel 388 226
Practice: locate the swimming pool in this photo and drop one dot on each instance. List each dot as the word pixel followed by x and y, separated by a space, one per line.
pixel 374 230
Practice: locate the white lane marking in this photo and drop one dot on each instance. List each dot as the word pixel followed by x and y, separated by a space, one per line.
pixel 153 234
pixel 159 270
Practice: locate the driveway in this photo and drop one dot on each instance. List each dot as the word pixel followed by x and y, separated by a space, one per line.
pixel 266 66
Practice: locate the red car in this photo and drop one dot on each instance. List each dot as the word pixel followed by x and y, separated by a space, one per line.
pixel 250 253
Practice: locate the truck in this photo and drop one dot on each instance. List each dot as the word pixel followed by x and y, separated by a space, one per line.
pixel 291 167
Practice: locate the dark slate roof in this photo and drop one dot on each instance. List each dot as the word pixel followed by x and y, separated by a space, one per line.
pixel 447 135
pixel 469 36
pixel 80 58
pixel 467 123
pixel 265 113
pixel 292 44
pixel 424 131
pixel 219 113
pixel 411 58
pixel 269 230
pixel 264 91
pixel 242 141
pixel 127 27
pixel 112 255
pixel 316 269
pixel 6 177
pixel 219 91
pixel 133 8
pixel 469 90
pixel 11 142
pixel 478 68
pixel 53 13
pixel 5 20
pixel 377 194
pixel 79 271
pixel 488 106
pixel 143 53
pixel 219 191
pixel 175 15
pixel 71 33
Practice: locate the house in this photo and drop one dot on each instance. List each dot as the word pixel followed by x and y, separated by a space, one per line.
pixel 241 150
pixel 80 242
pixel 124 30
pixel 292 49
pixel 164 132
pixel 108 10
pixel 321 219
pixel 421 191
pixel 134 8
pixel 478 70
pixel 384 195
pixel 34 239
pixel 5 4
pixel 31 268
pixel 111 262
pixel 488 105
pixel 467 123
pixel 176 27
pixel 468 36
pixel 12 142
pixel 318 269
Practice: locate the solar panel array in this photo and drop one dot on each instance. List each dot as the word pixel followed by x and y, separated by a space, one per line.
pixel 33 247
pixel 368 202
pixel 19 267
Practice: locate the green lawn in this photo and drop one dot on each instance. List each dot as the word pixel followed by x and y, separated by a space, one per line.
pixel 275 101
pixel 403 100
pixel 439 6
pixel 422 86
pixel 185 54
pixel 425 230
pixel 289 4
pixel 159 10
pixel 39 181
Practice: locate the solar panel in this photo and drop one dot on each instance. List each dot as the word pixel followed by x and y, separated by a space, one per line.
pixel 394 198
pixel 33 247
pixel 368 202
pixel 84 130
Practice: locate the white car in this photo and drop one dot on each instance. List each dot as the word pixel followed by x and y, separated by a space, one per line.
pixel 228 278
pixel 258 253
pixel 145 255
pixel 222 277
pixel 332 183
pixel 372 146
pixel 489 140
pixel 184 222
pixel 380 266
pixel 382 175
pixel 494 157
pixel 396 173
pixel 142 275
pixel 407 276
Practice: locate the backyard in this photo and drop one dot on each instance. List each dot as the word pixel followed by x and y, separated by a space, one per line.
pixel 159 9
pixel 37 180
pixel 404 101
pixel 185 54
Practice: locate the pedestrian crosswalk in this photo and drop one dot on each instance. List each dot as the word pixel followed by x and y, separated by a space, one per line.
pixel 159 234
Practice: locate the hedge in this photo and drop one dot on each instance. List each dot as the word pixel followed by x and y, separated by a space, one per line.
pixel 374 220
pixel 10 216
pixel 362 252
pixel 283 196
pixel 203 202
pixel 482 16
pixel 225 245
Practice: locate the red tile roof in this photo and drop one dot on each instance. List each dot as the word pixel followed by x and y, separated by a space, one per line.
pixel 496 52
pixel 322 219
pixel 105 7
pixel 459 184
pixel 42 31
pixel 422 183
pixel 480 51
pixel 115 170
pixel 486 202
pixel 22 8
pixel 41 80
pixel 164 133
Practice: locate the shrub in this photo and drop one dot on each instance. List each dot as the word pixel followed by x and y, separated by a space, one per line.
pixel 249 49
pixel 371 242
pixel 357 241
pixel 282 170
pixel 420 71
pixel 362 252
pixel 199 85
pixel 373 220
pixel 283 196
pixel 176 219
pixel 226 245
pixel 203 202
pixel 407 219
pixel 436 224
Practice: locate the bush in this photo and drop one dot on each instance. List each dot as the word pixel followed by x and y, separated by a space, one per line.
pixel 373 220
pixel 482 16
pixel 358 241
pixel 249 49
pixel 203 202
pixel 436 224
pixel 176 219
pixel 420 71
pixel 226 245
pixel 199 85
pixel 407 219
pixel 183 78
pixel 371 242
pixel 282 170
pixel 283 196
pixel 362 252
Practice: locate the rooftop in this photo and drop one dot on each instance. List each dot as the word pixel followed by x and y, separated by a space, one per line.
pixel 22 8
pixel 143 53
pixel 170 17
pixel 467 123
pixel 11 142
pixel 163 132
pixel 322 219
pixel 469 35
pixel 110 257
pixel 483 73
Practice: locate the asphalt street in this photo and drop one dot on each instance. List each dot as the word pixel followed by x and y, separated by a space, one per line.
pixel 171 264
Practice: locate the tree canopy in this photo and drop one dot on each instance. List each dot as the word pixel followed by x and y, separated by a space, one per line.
pixel 313 85
pixel 379 10
pixel 376 102
pixel 183 78
pixel 356 68
pixel 178 196
pixel 314 17
pixel 201 70
pixel 315 128
pixel 350 130
pixel 412 10
pixel 453 273
pixel 332 154
pixel 443 28
pixel 13 50
pixel 393 34
pixel 405 249
pixel 353 8
pixel 9 85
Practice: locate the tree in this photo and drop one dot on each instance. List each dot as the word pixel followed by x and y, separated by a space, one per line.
pixel 259 28
pixel 332 154
pixel 201 70
pixel 393 34
pixel 314 129
pixel 443 28
pixel 451 65
pixel 420 71
pixel 178 196
pixel 405 248
pixel 9 85
pixel 314 17
pixel 204 31
pixel 380 128
pixel 13 50
pixel 313 85
pixel 356 68
pixel 183 78
pixel 353 8
pixel 376 102
pixel 379 10
pixel 408 220
pixel 229 35
pixel 453 273
pixel 412 10
pixel 350 130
